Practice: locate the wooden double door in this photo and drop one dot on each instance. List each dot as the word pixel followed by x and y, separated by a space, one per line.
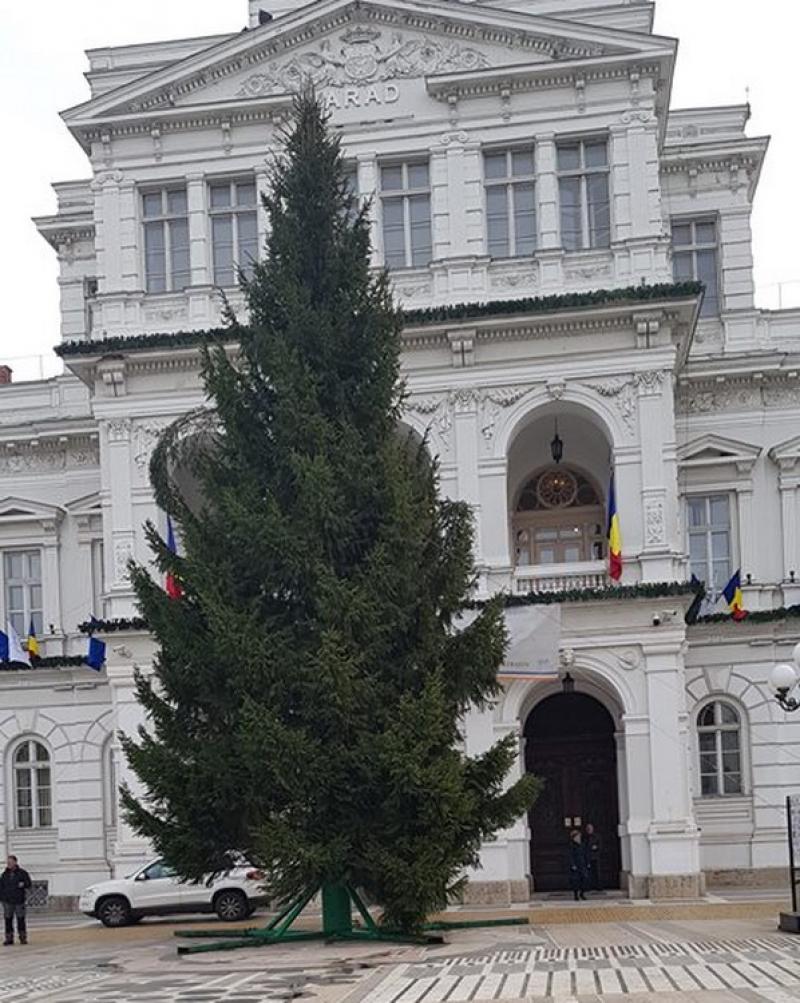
pixel 570 745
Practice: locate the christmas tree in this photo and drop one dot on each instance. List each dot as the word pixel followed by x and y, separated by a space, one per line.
pixel 307 695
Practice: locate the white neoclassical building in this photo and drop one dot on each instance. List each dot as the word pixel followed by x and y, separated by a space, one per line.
pixel 544 214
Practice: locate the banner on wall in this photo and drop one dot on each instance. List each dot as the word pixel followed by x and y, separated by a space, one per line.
pixel 534 636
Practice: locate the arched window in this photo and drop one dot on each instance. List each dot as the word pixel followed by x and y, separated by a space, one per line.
pixel 558 519
pixel 719 739
pixel 33 792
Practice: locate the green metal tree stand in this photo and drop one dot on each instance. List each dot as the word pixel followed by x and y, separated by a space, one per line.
pixel 337 924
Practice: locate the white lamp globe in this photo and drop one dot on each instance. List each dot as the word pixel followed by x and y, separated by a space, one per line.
pixel 796 654
pixel 783 678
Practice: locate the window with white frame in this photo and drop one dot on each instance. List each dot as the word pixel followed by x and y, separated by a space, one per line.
pixel 719 741
pixel 406 212
pixel 234 229
pixel 351 187
pixel 694 258
pixel 584 194
pixel 709 526
pixel 166 240
pixel 22 580
pixel 510 202
pixel 33 791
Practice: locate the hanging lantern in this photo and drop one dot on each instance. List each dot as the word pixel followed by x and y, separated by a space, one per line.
pixel 557 446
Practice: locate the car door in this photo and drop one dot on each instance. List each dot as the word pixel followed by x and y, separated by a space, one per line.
pixel 196 897
pixel 157 889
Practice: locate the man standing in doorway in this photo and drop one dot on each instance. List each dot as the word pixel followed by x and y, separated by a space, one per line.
pixel 14 885
pixel 592 848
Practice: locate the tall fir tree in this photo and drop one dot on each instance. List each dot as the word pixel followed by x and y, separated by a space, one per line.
pixel 310 682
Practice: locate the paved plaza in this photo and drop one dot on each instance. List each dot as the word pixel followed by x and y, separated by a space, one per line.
pixel 721 952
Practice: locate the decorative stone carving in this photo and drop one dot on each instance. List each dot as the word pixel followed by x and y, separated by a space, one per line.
pixel 84 456
pixel 649 383
pixel 165 314
pixel 145 439
pixel 566 658
pixel 654 531
pixel 621 391
pixel 440 413
pixel 492 402
pixel 454 138
pixel 119 430
pixel 29 460
pixel 363 56
pixel 555 389
pixel 629 659
pixel 702 398
pixel 123 553
pixel 588 271
pixel 511 279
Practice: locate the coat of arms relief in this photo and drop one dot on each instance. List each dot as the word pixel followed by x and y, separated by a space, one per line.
pixel 363 57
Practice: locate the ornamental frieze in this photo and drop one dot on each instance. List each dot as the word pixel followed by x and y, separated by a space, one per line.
pixel 703 398
pixel 362 57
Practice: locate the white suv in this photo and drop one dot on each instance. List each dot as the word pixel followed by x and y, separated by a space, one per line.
pixel 155 890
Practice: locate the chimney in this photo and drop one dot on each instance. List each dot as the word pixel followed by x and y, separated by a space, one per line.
pixel 5 375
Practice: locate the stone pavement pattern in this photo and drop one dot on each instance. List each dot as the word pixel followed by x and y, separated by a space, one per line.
pixel 659 961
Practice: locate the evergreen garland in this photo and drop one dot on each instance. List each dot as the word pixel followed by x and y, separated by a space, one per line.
pixel 49 662
pixel 421 316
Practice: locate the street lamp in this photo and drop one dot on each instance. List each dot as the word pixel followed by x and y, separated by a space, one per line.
pixel 784 678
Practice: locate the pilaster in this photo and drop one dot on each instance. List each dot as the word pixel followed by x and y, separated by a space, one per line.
pixel 199 236
pixel 367 167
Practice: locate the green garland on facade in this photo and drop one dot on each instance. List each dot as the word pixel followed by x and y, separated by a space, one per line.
pixel 112 626
pixel 427 315
pixel 647 590
pixel 50 662
pixel 753 616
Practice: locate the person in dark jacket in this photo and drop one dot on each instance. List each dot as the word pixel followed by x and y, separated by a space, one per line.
pixel 14 885
pixel 592 847
pixel 577 865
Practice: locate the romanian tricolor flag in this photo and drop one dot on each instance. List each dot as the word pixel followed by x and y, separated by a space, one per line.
pixel 172 585
pixel 733 597
pixel 33 644
pixel 614 535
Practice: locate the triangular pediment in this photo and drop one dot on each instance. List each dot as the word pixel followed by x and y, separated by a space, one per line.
pixel 715 450
pixel 15 509
pixel 786 452
pixel 348 43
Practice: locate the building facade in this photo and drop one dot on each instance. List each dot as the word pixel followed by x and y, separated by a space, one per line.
pixel 546 218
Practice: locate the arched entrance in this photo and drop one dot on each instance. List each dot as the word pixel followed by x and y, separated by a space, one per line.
pixel 569 743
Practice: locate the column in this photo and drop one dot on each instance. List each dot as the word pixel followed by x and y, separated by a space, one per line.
pixel 442 220
pixel 130 277
pixel 199 237
pixel 130 850
pixel 659 544
pixel 465 420
pixel 368 187
pixel 51 586
pixel 748 547
pixel 673 835
pixel 620 180
pixel 638 803
pixel 547 192
pixel 118 528
pixel 789 485
pixel 472 210
pixel 494 529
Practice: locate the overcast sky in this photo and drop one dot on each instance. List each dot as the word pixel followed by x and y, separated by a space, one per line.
pixel 726 46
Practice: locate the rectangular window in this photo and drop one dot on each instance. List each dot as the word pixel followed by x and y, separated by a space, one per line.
pixel 22 573
pixel 234 229
pixel 584 194
pixel 406 205
pixel 709 522
pixel 510 203
pixel 694 258
pixel 166 240
pixel 97 578
pixel 351 186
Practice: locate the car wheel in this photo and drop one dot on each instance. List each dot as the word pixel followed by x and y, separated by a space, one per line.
pixel 114 911
pixel 231 905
